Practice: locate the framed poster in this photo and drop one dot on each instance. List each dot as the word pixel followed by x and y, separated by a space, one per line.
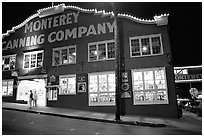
pixel 81 87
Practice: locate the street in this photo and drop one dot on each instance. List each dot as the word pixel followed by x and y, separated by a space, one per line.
pixel 23 123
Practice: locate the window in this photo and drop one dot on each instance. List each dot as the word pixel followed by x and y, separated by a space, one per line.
pixel 104 50
pixel 67 85
pixel 52 93
pixel 33 60
pixel 146 45
pixel 64 55
pixel 102 89
pixel 149 86
pixel 8 62
pixel 7 87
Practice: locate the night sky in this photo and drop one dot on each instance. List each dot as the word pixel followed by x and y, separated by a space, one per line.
pixel 185 22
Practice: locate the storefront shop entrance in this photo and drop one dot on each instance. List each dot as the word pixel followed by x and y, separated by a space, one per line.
pixel 38 85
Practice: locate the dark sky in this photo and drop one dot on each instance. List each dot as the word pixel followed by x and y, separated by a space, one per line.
pixel 185 22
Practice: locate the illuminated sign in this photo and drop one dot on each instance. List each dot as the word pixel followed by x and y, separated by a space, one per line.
pixel 58 35
pixel 188 77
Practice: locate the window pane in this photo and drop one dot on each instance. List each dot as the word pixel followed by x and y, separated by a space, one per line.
pixel 112 97
pixel 39 59
pixel 33 61
pixel 145 46
pixel 161 95
pixel 103 97
pixel 102 51
pixel 26 61
pixel 159 79
pixel 64 56
pixel 93 98
pixel 71 84
pixel 111 50
pixel 93 87
pixel 12 62
pixel 102 83
pixel 72 55
pixel 149 81
pixel 4 88
pixel 63 85
pixel 138 81
pixel 150 96
pixel 6 63
pixel 156 45
pixel 139 96
pixel 92 53
pixel 135 47
pixel 111 82
pixel 56 57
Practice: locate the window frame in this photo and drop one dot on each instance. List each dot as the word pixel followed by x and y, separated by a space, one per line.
pixel 7 80
pixel 60 57
pixel 13 55
pixel 67 76
pixel 106 49
pixel 98 92
pixel 150 42
pixel 154 89
pixel 33 52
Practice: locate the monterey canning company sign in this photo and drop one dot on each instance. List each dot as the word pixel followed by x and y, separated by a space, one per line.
pixel 34 30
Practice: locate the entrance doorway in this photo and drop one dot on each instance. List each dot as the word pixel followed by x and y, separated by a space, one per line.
pixel 38 85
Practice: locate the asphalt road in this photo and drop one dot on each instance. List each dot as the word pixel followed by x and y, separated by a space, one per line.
pixel 23 123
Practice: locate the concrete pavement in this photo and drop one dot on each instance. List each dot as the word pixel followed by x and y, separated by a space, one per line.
pixel 189 121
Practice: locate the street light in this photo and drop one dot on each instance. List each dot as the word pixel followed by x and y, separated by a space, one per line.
pixel 117 63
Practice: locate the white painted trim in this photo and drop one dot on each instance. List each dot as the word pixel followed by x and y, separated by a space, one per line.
pixel 146 36
pixel 106 46
pixel 61 48
pixel 33 77
pixel 150 102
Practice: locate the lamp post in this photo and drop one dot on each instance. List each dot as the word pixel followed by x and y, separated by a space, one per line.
pixel 117 63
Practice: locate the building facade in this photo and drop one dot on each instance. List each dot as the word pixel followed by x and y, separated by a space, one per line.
pixel 67 54
pixel 186 78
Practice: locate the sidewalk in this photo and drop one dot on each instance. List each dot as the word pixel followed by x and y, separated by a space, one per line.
pixel 189 120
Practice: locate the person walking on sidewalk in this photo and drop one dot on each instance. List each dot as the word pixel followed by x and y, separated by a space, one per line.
pixel 35 97
pixel 30 99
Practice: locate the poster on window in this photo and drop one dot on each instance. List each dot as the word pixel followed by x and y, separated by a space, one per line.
pixel 81 87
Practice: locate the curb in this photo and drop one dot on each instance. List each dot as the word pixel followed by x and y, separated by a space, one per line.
pixel 136 123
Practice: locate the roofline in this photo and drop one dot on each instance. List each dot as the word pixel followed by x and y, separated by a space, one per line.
pixel 158 20
pixel 186 67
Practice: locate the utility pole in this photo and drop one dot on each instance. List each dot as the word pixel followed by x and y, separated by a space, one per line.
pixel 117 64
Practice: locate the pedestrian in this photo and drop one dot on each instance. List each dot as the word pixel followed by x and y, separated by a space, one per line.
pixel 35 97
pixel 30 99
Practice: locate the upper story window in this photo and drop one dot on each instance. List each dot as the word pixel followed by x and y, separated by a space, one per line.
pixel 64 55
pixel 8 62
pixel 104 50
pixel 33 60
pixel 146 45
pixel 149 86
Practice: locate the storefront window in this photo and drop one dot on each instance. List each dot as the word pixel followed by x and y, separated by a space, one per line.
pixel 149 86
pixel 64 55
pixel 102 89
pixel 146 45
pixel 8 62
pixel 33 59
pixel 104 50
pixel 67 85
pixel 52 93
pixel 7 87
